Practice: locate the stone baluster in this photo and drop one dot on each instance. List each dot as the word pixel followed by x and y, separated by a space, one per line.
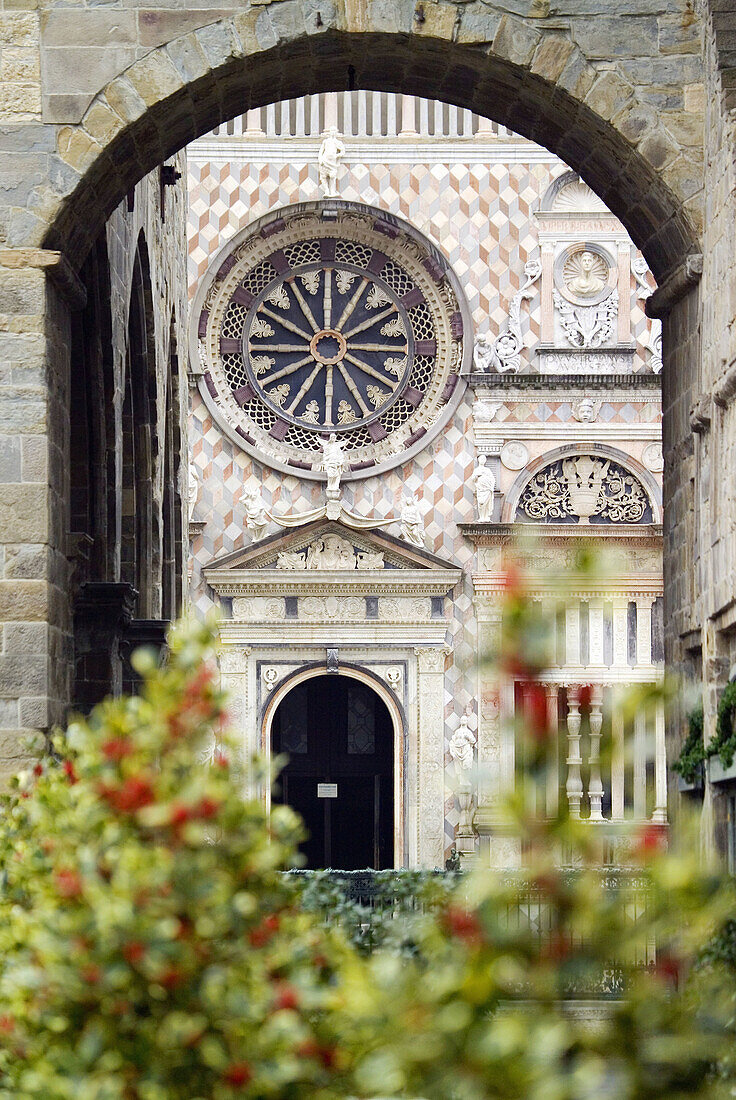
pixel 553 779
pixel 574 784
pixel 595 783
pixel 660 766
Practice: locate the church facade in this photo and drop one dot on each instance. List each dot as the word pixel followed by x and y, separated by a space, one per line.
pixel 417 345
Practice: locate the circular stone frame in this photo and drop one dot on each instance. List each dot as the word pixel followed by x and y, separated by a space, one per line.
pixel 597 250
pixel 288 242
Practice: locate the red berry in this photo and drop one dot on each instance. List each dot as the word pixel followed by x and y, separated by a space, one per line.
pixel 116 748
pixel 133 952
pixel 286 998
pixel 464 925
pixel 207 807
pixel 91 973
pixel 238 1074
pixel 7 1024
pixel 180 814
pixel 38 769
pixel 68 883
pixel 69 772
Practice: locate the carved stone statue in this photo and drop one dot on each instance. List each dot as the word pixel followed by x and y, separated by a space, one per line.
pixel 412 524
pixel 195 487
pixel 585 274
pixel 484 484
pixel 484 411
pixel 331 552
pixel 330 155
pixel 462 746
pixel 483 353
pixel 334 464
pixel 586 410
pixel 256 514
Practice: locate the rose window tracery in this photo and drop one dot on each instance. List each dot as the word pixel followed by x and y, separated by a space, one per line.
pixel 349 324
pixel 584 489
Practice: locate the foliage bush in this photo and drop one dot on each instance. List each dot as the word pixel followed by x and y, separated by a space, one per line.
pixel 151 947
pixel 693 752
pixel 724 740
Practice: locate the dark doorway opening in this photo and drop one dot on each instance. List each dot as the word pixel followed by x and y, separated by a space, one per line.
pixel 338 736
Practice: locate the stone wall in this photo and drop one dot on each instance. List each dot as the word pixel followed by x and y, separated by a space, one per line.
pixel 49 559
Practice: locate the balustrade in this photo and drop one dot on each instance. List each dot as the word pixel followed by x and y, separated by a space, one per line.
pixel 602 647
pixel 362 114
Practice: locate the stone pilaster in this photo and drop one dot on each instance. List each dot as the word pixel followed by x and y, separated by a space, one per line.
pixel 430 792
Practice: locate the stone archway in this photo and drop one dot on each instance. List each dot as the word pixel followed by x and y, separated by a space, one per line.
pixel 580 84
pixel 535 80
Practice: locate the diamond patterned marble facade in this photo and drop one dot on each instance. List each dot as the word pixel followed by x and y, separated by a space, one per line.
pixel 482 218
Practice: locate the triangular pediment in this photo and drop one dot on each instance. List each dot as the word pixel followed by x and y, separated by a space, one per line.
pixel 329 546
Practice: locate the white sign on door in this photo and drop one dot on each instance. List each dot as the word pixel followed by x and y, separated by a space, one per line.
pixel 327 790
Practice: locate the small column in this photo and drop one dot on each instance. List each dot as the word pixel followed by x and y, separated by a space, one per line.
pixel 574 784
pixel 595 785
pixel 618 760
pixel 644 631
pixel 553 784
pixel 660 767
pixel 408 123
pixel 640 765
pixel 620 632
pixel 595 631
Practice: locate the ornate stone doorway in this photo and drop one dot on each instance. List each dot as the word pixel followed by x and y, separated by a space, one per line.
pixel 337 734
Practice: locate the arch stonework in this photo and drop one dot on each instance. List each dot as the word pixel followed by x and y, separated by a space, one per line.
pixel 550 84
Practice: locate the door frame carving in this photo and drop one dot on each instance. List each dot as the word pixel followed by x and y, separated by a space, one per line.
pixel 398 720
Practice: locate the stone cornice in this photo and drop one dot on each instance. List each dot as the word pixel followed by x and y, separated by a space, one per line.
pixel 555 382
pixel 629 587
pixel 675 286
pixel 382 634
pixel 560 534
pixel 368 582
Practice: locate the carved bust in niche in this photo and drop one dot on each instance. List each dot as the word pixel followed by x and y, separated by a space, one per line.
pixel 585 274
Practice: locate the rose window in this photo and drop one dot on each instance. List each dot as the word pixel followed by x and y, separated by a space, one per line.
pixel 313 324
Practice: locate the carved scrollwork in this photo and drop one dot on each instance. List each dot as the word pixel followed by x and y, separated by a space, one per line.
pixel 584 488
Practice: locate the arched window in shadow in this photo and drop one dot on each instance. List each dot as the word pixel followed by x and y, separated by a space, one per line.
pixel 140 555
pixel 172 565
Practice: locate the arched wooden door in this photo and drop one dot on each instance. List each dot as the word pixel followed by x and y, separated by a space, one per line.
pixel 338 736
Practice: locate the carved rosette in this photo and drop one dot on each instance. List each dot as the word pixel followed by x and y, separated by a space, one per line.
pixel 311 325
